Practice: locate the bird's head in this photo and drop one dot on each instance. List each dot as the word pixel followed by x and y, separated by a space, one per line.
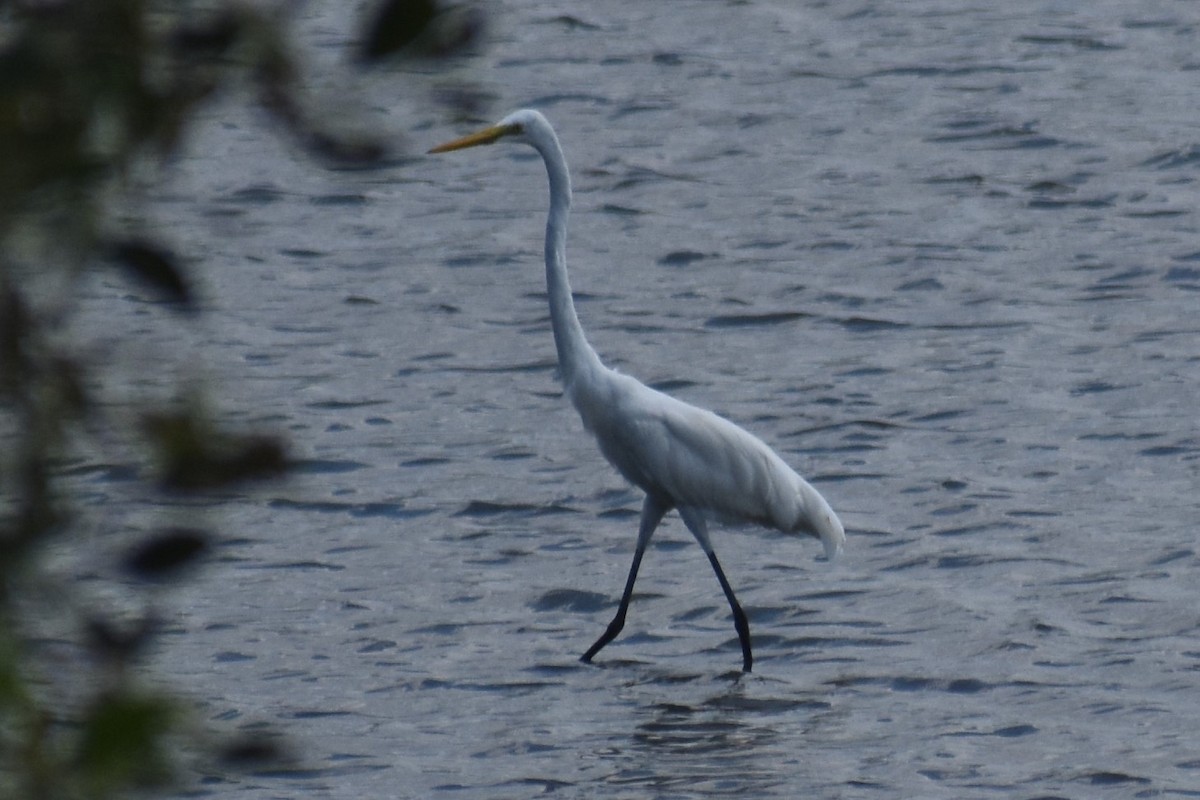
pixel 521 126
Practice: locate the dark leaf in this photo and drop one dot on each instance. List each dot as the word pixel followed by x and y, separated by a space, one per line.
pixel 254 456
pixel 193 456
pixel 345 151
pixel 397 24
pixel 214 36
pixel 14 326
pixel 252 751
pixel 115 642
pixel 68 384
pixel 165 553
pixel 155 267
pixel 457 32
pixel 122 743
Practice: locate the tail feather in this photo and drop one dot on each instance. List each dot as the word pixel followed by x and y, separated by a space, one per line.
pixel 833 536
pixel 821 521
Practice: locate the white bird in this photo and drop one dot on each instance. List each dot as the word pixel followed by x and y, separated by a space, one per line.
pixel 681 456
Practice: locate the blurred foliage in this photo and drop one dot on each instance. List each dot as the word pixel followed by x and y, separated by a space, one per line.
pixel 421 28
pixel 91 91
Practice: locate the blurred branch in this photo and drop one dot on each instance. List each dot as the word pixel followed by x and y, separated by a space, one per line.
pixel 90 91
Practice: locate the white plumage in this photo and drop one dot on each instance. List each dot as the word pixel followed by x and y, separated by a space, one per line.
pixel 681 456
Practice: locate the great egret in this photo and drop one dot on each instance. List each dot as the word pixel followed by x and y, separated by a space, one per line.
pixel 682 456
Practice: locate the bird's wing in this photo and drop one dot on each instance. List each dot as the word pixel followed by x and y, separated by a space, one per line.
pixel 692 456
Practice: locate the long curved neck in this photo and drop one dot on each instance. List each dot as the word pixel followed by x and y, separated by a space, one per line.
pixel 574 352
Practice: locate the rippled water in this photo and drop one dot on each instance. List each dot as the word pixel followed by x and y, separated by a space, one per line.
pixel 945 257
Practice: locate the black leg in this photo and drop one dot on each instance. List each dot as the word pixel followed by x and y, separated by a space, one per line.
pixel 618 622
pixel 739 616
pixel 652 514
pixel 696 523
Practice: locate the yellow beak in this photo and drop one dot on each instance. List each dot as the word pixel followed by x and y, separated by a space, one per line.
pixel 485 136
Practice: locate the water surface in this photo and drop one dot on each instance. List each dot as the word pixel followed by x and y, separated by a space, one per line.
pixel 945 258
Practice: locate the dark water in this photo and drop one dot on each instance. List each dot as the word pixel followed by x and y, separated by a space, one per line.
pixel 945 257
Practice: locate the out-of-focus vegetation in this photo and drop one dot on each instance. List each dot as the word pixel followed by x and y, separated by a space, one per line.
pixel 93 92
